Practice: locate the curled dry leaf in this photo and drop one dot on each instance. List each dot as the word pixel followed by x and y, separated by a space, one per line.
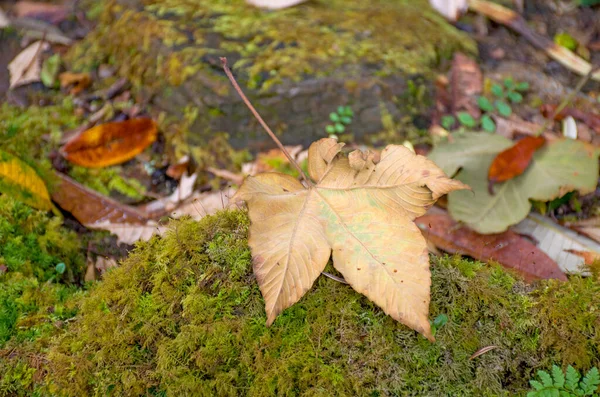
pixel 19 180
pixel 483 350
pixel 27 66
pixel 77 81
pixel 361 211
pixel 110 143
pixel 513 161
pixel 508 248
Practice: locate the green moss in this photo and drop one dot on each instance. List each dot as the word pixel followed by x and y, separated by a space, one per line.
pixel 32 133
pixel 33 244
pixel 311 39
pixel 183 316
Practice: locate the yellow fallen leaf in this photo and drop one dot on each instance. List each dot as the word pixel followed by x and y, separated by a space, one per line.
pixel 360 209
pixel 19 180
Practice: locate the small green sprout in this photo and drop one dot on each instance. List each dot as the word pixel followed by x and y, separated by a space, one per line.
pixel 570 385
pixel 438 323
pixel 340 118
pixel 509 92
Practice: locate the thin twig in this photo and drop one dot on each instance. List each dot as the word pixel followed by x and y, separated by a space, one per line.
pixel 333 277
pixel 566 101
pixel 262 122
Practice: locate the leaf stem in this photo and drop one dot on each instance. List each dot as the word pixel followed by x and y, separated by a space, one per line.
pixel 262 122
pixel 565 102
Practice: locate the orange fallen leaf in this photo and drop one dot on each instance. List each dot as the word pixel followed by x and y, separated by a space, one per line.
pixel 77 81
pixel 110 143
pixel 513 161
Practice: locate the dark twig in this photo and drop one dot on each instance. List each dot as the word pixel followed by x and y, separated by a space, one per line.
pixel 262 122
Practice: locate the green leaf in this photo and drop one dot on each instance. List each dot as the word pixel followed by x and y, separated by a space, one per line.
pixel 545 377
pixel 330 129
pixel 558 375
pixel 509 83
pixel 523 86
pixel 60 268
pixel 346 120
pixel 487 123
pixel 334 117
pixel 339 128
pixel 448 122
pixel 503 108
pixel 515 97
pixel 497 90
pixel 49 71
pixel 532 394
pixel 590 381
pixel 536 385
pixel 572 378
pixel 557 167
pixel 485 104
pixel 466 119
pixel 348 111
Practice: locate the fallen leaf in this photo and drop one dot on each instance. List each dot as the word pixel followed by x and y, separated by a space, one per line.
pixel 50 69
pixel 77 81
pixel 26 67
pixel 466 83
pixel 128 233
pixel 588 227
pixel 516 125
pixel 450 9
pixel 19 180
pixel 51 13
pixel 508 248
pixel 511 19
pixel 274 4
pixel 360 210
pixel 592 120
pixel 557 241
pixel 110 143
pixel 513 161
pixel 559 167
pixel 588 257
pixel 89 207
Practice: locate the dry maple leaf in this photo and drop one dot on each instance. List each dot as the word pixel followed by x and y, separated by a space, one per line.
pixel 360 210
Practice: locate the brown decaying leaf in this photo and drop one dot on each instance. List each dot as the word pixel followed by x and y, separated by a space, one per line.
pixel 77 81
pixel 508 248
pixel 89 207
pixel 361 211
pixel 51 13
pixel 505 16
pixel 588 227
pixel 592 120
pixel 466 83
pixel 110 143
pixel 513 161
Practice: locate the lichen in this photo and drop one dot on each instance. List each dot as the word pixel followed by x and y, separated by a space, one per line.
pixel 183 316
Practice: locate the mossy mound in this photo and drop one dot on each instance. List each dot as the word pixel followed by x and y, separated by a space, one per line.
pixel 183 316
